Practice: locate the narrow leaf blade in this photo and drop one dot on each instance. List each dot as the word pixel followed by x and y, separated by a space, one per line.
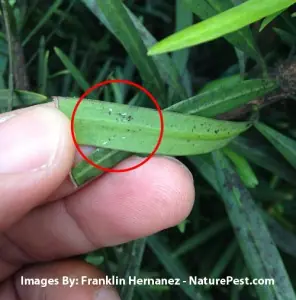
pixel 220 25
pixel 77 75
pixel 252 233
pixel 136 129
pixel 285 145
pixel 127 34
pixel 225 98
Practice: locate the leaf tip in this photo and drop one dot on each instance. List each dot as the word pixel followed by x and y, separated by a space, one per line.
pixel 151 51
pixel 158 48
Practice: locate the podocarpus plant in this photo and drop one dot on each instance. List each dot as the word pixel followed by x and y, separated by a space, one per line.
pixel 220 128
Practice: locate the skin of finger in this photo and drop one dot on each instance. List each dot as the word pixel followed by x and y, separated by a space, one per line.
pixel 20 192
pixel 56 270
pixel 114 209
pixel 67 187
pixel 23 110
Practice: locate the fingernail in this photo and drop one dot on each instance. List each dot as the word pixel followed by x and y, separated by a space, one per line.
pixel 30 140
pixel 181 164
pixel 105 293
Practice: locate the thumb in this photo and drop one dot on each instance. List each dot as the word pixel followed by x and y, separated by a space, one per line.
pixel 36 154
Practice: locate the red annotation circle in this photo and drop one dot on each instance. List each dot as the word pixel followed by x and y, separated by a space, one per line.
pixel 141 88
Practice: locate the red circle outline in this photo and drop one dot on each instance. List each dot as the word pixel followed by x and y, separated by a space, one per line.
pixel 131 83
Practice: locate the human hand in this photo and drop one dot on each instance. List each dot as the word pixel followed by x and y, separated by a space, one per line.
pixel 44 219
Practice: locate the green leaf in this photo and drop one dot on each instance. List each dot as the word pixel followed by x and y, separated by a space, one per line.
pixel 116 91
pixel 127 34
pixel 175 268
pixel 103 72
pixel 264 156
pixel 132 266
pixel 77 75
pixel 83 70
pixel 182 226
pixel 285 239
pixel 9 18
pixel 59 73
pixel 242 39
pixel 10 28
pixel 136 129
pixel 206 104
pixel 52 9
pixel 287 37
pixel 229 81
pixel 242 167
pixel 42 67
pixel 266 194
pixel 219 100
pixel 163 63
pixel 84 172
pixel 262 257
pixel 224 261
pixel 269 19
pixel 68 79
pixel 22 99
pixel 220 25
pixel 238 271
pixel 204 164
pixel 285 145
pixel 201 237
pixel 94 259
pixel 3 62
pixel 183 19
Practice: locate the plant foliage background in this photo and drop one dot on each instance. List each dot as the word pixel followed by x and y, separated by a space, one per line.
pixel 243 221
